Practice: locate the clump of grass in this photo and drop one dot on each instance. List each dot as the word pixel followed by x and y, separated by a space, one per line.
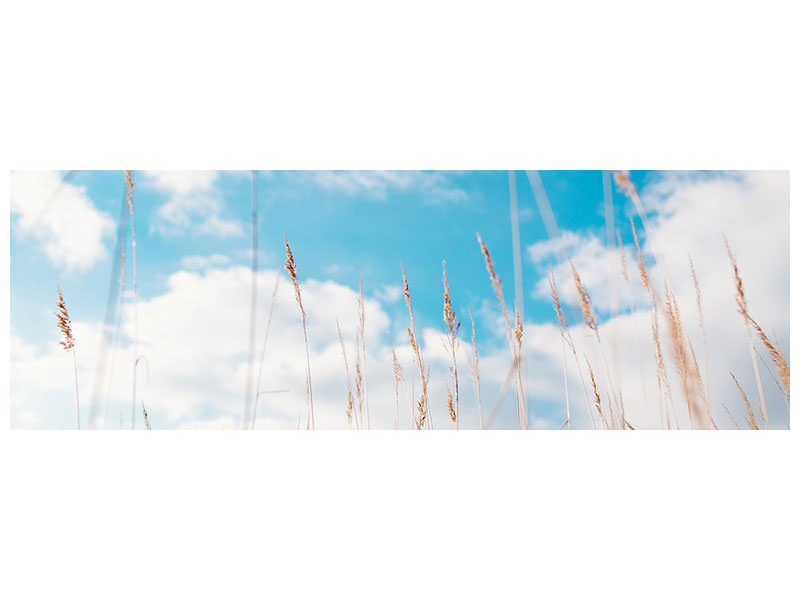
pixel 68 343
pixel 453 325
pixel 497 285
pixel 422 418
pixel 291 268
pixel 687 365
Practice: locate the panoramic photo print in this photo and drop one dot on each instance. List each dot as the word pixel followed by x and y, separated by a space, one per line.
pixel 413 300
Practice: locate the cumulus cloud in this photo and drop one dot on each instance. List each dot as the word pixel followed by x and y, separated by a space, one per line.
pixel 194 203
pixel 688 217
pixel 60 217
pixel 433 186
pixel 195 333
pixel 195 338
pixel 601 269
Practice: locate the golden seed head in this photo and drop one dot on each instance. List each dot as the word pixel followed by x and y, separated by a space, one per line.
pixel 64 322
pixel 517 328
pixel 624 183
pixel 450 408
pixel 453 324
pixel 586 302
pixel 129 190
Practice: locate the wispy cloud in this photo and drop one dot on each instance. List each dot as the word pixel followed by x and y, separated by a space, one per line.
pixel 60 217
pixel 197 263
pixel 195 203
pixel 433 186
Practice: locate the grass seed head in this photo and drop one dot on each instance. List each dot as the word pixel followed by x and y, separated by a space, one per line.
pixel 64 322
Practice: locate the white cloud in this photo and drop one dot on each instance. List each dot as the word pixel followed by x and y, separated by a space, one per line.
pixel 389 293
pixel 60 218
pixel 689 217
pixel 433 186
pixel 195 204
pixel 195 337
pixel 198 263
pixel 195 334
pixel 599 267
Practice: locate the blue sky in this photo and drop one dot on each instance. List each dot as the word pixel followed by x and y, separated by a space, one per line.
pixel 346 225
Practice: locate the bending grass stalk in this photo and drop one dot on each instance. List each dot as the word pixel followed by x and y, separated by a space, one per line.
pixel 730 416
pixel 349 407
pixel 68 343
pixel 566 336
pixel 264 347
pixel 116 333
pixel 597 403
pixel 699 300
pixel 358 379
pixel 741 303
pixel 591 322
pixel 690 376
pixel 475 370
pixel 362 330
pixel 751 418
pixel 664 392
pixel 291 268
pixel 397 372
pixel 453 325
pixel 634 320
pixel 130 201
pixel 422 418
pixel 147 370
pixel 522 413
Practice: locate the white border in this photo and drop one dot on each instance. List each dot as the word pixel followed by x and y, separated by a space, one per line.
pixel 412 85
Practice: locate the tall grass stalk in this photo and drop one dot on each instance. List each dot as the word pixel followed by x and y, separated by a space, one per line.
pixel 422 419
pixel 291 268
pixel 349 406
pixel 699 300
pixel 632 315
pixel 264 347
pixel 741 303
pixel 397 376
pixel 497 285
pixel 475 370
pixel 130 201
pixel 453 325
pixel 567 337
pixel 590 320
pixel 68 343
pixel 362 335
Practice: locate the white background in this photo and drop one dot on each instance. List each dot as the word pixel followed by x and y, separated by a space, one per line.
pixel 409 85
